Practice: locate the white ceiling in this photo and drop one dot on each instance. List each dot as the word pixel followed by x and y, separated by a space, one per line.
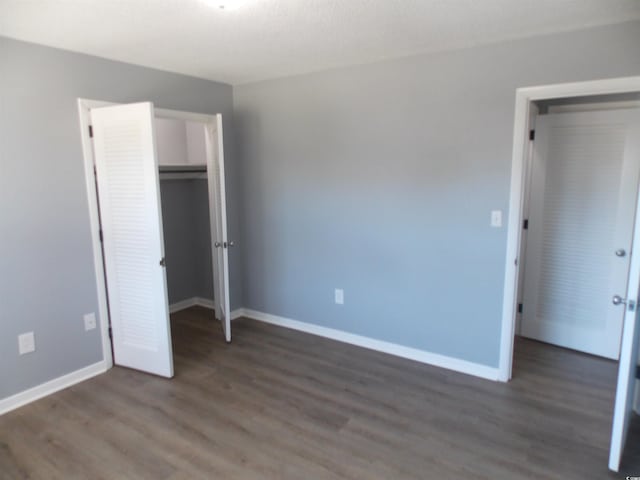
pixel 272 38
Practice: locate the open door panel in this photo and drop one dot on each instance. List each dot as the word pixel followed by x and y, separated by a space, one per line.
pixel 129 197
pixel 220 244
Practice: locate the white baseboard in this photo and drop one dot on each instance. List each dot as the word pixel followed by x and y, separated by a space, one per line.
pixel 52 386
pixel 450 363
pixel 191 302
pixel 206 303
pixel 202 302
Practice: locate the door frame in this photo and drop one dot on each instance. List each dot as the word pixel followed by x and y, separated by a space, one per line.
pixel 522 123
pixel 84 113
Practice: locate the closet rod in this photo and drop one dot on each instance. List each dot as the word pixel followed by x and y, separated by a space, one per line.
pixel 200 170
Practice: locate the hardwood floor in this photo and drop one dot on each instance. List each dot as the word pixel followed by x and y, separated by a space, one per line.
pixel 280 404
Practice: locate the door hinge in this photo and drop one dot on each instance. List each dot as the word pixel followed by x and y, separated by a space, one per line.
pixel 519 308
pixel 163 262
pixel 91 131
pixel 638 371
pixel 101 236
pixel 532 135
pixel 110 333
pixel 525 224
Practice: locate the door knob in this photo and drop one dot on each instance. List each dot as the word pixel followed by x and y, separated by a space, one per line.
pixel 617 300
pixel 217 244
pixel 621 252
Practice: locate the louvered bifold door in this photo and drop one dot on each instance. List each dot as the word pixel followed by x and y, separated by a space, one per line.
pixel 583 193
pixel 129 197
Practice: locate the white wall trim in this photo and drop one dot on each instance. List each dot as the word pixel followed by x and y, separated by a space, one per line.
pixel 52 386
pixel 84 112
pixel 191 302
pixel 421 356
pixel 202 302
pixel 524 98
pixel 206 303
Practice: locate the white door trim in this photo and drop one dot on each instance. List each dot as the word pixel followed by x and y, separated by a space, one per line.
pixel 524 98
pixel 84 109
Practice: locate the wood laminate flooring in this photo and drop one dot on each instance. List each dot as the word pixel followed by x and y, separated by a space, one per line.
pixel 280 404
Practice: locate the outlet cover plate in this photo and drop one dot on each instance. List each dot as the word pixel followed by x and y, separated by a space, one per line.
pixel 26 343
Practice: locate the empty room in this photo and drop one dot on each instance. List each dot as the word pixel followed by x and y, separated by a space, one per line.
pixel 305 239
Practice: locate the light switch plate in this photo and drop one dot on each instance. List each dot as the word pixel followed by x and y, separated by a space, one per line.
pixel 496 218
pixel 26 343
pixel 89 321
pixel 339 296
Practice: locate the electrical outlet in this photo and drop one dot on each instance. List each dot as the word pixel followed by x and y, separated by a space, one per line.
pixel 89 321
pixel 26 343
pixel 339 296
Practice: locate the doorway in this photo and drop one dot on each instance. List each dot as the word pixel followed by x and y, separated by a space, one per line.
pixel 528 100
pixel 122 171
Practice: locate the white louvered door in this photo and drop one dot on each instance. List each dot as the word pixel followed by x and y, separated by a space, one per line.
pixel 129 196
pixel 582 209
pixel 220 244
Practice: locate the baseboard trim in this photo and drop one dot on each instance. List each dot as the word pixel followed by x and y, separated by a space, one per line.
pixel 52 386
pixel 202 302
pixel 191 302
pixel 422 356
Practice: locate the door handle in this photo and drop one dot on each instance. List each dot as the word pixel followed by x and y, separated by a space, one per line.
pixel 227 244
pixel 217 244
pixel 618 300
pixel 621 252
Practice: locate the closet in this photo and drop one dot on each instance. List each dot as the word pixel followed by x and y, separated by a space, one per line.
pixel 185 212
pixel 159 184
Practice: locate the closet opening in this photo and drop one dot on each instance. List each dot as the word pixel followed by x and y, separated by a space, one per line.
pixel 184 194
pixel 156 192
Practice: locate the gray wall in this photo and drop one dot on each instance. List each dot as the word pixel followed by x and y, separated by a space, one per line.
pixel 46 265
pixel 380 179
pixel 187 239
pixel 202 242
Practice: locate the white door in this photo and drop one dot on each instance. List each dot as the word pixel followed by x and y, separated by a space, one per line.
pixel 129 197
pixel 582 207
pixel 630 331
pixel 218 209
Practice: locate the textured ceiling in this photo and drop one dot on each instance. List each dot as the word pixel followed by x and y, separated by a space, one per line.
pixel 272 38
